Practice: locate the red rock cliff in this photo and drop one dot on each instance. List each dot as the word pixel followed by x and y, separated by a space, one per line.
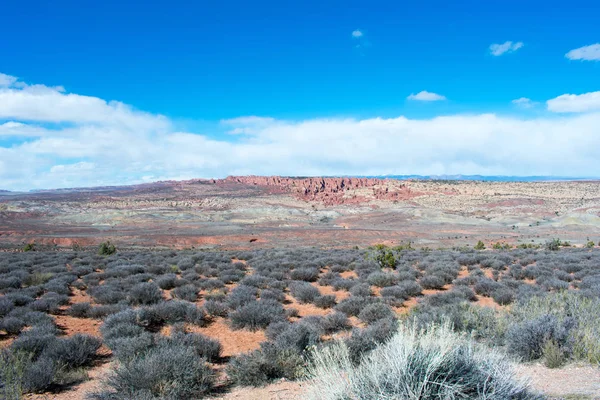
pixel 332 191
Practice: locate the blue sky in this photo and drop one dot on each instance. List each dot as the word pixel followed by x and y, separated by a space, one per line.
pixel 337 66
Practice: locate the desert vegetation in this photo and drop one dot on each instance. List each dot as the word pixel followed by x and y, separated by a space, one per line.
pixel 162 320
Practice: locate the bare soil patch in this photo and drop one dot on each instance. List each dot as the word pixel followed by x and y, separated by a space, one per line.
pixel 72 325
pixel 571 380
pixel 233 342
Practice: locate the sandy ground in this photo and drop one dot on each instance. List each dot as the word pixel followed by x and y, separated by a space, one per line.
pixel 571 381
pixel 283 390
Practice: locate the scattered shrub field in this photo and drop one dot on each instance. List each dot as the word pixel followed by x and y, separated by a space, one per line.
pixel 163 319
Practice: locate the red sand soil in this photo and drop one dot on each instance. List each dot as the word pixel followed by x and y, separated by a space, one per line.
pixel 71 325
pixel 80 296
pixel 304 309
pixel 233 342
pixel 488 302
pixel 329 290
pixel 5 341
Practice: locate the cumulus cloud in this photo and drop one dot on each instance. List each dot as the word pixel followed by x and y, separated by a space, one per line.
pixel 357 33
pixel 426 96
pixel 524 102
pixel 18 129
pixel 51 104
pixel 506 47
pixel 586 53
pixel 575 103
pixel 124 145
pixel 7 80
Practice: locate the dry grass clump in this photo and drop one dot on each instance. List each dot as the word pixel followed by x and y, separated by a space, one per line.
pixel 435 363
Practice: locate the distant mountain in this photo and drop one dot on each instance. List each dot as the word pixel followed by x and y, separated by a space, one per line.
pixel 153 185
pixel 489 178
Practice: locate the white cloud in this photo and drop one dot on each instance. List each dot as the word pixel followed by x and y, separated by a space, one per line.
pixel 524 102
pixel 51 104
pixel 116 148
pixel 426 96
pixel 506 47
pixel 246 125
pixel 357 33
pixel 18 129
pixel 587 53
pixel 575 103
pixel 7 80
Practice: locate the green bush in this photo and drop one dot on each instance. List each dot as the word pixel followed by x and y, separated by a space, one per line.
pixel 553 245
pixel 384 256
pixel 554 355
pixel 479 246
pixel 12 371
pixel 107 249
pixel 29 247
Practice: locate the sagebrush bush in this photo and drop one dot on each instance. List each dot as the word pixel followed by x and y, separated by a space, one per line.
pixel 416 365
pixel 344 284
pixel 503 296
pixel 365 340
pixel 361 290
pixel 144 293
pixel 325 301
pixel 205 347
pixel 12 325
pixel 186 292
pixel 73 352
pixel 79 310
pixel 6 306
pixel 166 281
pixel 241 295
pixel 444 298
pixel 257 315
pixel 40 374
pixel 572 311
pixel 272 294
pixel 107 294
pixel 179 311
pixel 432 282
pixel 299 336
pixel 165 372
pixel 216 308
pixel 304 292
pixel 264 366
pixel 382 279
pixel 35 340
pixel 375 312
pixel 486 286
pixel 353 305
pixel 527 339
pixel 305 274
pixel 335 322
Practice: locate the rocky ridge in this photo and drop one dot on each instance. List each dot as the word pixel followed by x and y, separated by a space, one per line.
pixel 332 191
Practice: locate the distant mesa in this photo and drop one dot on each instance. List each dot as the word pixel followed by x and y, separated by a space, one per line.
pixel 331 191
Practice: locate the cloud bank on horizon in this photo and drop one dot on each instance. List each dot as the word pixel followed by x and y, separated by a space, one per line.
pixel 50 138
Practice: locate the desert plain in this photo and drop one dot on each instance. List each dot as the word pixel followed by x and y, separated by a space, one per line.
pixel 269 212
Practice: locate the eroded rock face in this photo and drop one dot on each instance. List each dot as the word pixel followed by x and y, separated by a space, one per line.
pixel 332 191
